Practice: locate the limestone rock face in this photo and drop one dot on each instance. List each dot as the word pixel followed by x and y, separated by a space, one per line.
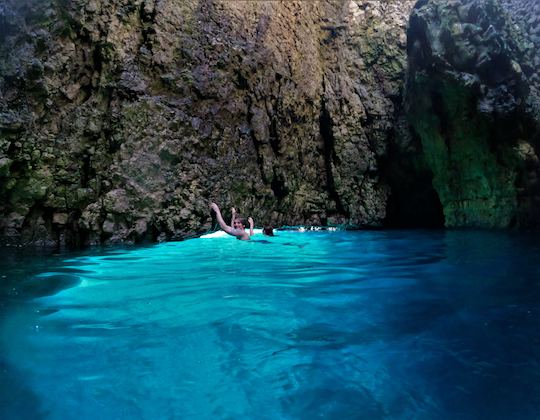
pixel 473 100
pixel 120 120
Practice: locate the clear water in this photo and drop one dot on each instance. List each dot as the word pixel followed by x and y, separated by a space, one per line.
pixel 364 325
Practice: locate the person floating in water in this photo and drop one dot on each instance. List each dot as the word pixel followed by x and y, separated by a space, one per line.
pixel 238 227
pixel 268 230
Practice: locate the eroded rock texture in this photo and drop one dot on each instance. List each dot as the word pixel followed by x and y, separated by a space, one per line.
pixel 473 100
pixel 120 120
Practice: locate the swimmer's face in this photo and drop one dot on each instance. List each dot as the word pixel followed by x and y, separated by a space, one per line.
pixel 237 224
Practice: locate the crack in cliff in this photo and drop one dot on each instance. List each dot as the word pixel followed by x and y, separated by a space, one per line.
pixel 147 18
pixel 327 135
pixel 273 135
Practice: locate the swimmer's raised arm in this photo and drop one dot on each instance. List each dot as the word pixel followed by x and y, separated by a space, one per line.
pixel 250 220
pixel 228 229
pixel 233 215
pixel 219 218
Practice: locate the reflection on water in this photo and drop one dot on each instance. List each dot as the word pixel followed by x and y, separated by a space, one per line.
pixel 390 324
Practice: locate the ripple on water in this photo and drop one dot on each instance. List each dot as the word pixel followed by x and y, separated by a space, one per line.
pixel 46 284
pixel 372 325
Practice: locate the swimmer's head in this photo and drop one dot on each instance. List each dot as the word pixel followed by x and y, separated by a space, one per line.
pixel 268 231
pixel 239 223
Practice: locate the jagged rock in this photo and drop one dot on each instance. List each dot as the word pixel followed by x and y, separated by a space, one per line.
pixel 116 201
pixel 109 226
pixel 132 83
pixel 60 218
pixel 147 111
pixel 141 227
pixel 471 101
pixel 131 116
pixel 5 163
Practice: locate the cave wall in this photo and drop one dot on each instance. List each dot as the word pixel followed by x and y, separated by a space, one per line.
pixel 472 98
pixel 121 120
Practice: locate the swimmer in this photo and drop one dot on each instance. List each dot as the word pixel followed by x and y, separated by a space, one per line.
pixel 238 227
pixel 268 231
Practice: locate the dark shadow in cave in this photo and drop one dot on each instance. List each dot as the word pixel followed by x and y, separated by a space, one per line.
pixel 327 135
pixel 414 206
pixel 413 202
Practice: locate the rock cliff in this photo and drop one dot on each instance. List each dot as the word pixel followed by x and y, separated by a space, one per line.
pixel 120 120
pixel 473 99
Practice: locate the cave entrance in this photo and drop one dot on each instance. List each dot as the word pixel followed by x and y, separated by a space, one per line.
pixel 414 203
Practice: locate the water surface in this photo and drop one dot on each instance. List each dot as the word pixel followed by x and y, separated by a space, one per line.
pixel 367 325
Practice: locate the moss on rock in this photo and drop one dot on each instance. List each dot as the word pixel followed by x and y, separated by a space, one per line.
pixel 469 118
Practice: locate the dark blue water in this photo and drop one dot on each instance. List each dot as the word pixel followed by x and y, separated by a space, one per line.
pixel 365 325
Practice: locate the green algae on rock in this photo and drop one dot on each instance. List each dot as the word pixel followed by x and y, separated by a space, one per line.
pixel 471 99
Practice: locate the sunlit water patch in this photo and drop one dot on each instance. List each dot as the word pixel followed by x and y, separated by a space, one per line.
pixel 373 325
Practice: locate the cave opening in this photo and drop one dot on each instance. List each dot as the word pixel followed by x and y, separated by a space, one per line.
pixel 413 201
pixel 414 206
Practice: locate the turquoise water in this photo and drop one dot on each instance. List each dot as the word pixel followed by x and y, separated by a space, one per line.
pixel 363 325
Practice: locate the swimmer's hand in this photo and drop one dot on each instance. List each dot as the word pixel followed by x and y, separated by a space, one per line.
pixel 214 207
pixel 250 220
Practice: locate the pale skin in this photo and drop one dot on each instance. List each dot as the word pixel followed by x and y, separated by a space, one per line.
pixel 237 222
pixel 233 216
pixel 237 229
